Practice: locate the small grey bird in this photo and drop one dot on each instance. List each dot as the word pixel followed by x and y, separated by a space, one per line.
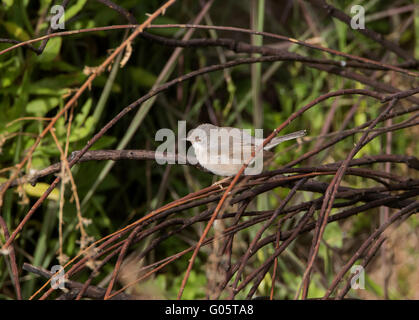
pixel 224 150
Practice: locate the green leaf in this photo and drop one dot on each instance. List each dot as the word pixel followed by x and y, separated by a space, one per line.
pixel 16 31
pixel 10 71
pixel 37 90
pixel 51 50
pixel 56 83
pixel 81 116
pixel 8 3
pixel 83 131
pixel 40 107
pixel 39 160
pixel 39 189
pixel 333 235
pixel 59 66
pixel 104 142
pixel 74 9
pixel 142 77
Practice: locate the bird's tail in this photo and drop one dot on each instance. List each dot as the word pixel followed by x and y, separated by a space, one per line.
pixel 278 140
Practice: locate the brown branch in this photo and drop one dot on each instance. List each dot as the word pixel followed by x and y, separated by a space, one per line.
pixel 265 142
pixel 334 12
pixel 118 155
pixel 333 188
pixel 372 252
pixel 13 264
pixel 261 231
pixel 44 42
pixel 100 155
pixel 85 85
pixel 92 292
pixel 409 210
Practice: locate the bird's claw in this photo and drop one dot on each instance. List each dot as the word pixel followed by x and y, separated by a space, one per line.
pixel 220 182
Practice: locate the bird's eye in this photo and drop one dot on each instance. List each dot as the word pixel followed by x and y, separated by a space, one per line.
pixel 197 138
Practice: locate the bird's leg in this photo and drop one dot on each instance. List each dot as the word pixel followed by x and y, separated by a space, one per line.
pixel 220 182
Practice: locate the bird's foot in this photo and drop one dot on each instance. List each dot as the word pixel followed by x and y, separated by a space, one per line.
pixel 220 182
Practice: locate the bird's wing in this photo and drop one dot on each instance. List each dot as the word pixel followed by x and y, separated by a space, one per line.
pixel 244 153
pixel 246 138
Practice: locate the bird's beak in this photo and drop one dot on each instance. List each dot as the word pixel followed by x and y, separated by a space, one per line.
pixel 184 139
